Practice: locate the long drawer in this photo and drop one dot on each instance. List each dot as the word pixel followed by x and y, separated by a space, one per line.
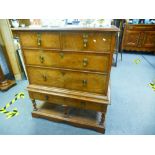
pixel 75 60
pixel 68 101
pixel 75 41
pixel 69 79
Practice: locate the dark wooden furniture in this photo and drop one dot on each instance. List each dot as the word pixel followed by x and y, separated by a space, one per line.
pixel 139 37
pixel 69 69
pixel 4 83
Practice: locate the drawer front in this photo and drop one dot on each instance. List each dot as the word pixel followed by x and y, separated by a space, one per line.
pixel 87 41
pixel 50 40
pixel 85 105
pixel 29 39
pixel 46 77
pixel 75 60
pixel 48 98
pixel 89 82
pixel 69 102
pixel 40 40
pixel 95 83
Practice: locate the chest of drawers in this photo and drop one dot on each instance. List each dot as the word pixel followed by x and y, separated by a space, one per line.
pixel 69 67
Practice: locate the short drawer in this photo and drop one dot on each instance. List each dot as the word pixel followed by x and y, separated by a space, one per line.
pixel 87 41
pixel 75 60
pixel 45 97
pixel 69 79
pixel 69 102
pixel 40 40
pixel 86 105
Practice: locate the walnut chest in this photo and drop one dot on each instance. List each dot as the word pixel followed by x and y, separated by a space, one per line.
pixel 69 69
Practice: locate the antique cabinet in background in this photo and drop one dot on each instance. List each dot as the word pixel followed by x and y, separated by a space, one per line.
pixel 139 37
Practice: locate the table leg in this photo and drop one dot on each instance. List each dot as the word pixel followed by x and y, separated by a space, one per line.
pixel 102 118
pixel 34 104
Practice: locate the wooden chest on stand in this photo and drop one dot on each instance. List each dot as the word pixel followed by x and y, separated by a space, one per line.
pixel 69 69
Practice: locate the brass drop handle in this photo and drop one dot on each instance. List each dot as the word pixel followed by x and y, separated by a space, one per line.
pixel 85 41
pixel 39 40
pixel 85 35
pixel 63 73
pixel 61 54
pixel 85 62
pixel 84 82
pixel 41 59
pixel 44 77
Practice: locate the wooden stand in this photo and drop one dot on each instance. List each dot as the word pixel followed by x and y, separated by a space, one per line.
pixel 76 117
pixel 4 83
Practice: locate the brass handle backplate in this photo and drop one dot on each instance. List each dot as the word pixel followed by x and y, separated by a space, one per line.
pixel 44 77
pixel 61 54
pixel 63 73
pixel 41 59
pixel 39 40
pixel 84 82
pixel 85 40
pixel 85 62
pixel 85 35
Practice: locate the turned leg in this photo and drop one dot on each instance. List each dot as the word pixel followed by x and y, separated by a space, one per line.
pixel 34 104
pixel 102 118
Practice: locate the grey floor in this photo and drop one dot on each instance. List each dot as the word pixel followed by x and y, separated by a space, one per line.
pixel 132 109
